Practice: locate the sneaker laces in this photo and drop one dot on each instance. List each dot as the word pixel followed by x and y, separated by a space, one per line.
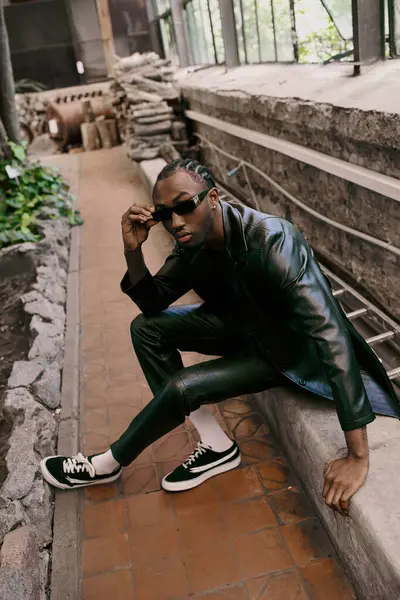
pixel 78 464
pixel 199 450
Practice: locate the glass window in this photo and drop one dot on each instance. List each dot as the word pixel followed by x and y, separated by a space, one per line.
pixel 266 28
pixel 318 37
pixel 204 29
pixel 284 30
pixel 162 6
pixel 217 30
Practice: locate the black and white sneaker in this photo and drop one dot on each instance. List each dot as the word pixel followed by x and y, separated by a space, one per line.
pixel 72 472
pixel 200 466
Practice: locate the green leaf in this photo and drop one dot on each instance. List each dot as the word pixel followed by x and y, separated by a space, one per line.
pixel 18 152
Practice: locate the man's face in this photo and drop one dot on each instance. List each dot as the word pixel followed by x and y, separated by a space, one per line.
pixel 191 229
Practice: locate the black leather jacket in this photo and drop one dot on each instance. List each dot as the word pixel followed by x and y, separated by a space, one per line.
pixel 288 309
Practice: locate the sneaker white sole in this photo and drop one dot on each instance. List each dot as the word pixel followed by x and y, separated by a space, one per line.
pixel 62 486
pixel 181 486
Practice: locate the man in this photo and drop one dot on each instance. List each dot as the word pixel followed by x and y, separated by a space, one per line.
pixel 267 311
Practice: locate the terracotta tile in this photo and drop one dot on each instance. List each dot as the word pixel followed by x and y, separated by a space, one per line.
pixel 291 506
pixel 324 579
pixel 94 354
pixel 208 570
pixel 240 484
pixel 117 586
pixel 90 401
pixel 96 441
pixel 92 342
pixel 140 479
pixel 234 592
pixel 105 554
pixel 155 543
pixel 276 475
pixel 257 450
pixel 147 394
pixel 93 367
pixel 119 362
pixel 128 394
pixel 163 581
pixel 95 418
pixel 262 553
pixel 247 426
pixel 96 386
pixel 150 509
pixel 121 378
pixel 101 493
pixel 307 540
pixel 202 528
pixel 277 586
pixel 201 497
pixel 247 517
pixel 120 417
pixel 173 446
pixel 100 520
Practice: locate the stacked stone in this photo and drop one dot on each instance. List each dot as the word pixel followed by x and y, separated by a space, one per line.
pixel 147 105
pixel 31 408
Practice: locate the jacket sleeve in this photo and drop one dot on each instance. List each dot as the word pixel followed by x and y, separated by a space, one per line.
pixel 291 267
pixel 153 294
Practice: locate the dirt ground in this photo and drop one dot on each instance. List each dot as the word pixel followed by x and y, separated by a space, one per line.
pixel 17 273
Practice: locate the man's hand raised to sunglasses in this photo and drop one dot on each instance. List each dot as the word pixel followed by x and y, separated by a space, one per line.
pixel 136 224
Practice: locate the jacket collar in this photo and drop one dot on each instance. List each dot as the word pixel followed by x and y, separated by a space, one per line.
pixel 233 229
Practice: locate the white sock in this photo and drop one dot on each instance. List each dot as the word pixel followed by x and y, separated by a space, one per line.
pixel 209 430
pixel 104 463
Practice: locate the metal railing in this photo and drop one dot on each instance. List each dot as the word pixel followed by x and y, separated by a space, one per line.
pixel 288 31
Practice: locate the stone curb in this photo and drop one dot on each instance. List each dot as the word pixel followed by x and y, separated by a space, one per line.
pixel 65 576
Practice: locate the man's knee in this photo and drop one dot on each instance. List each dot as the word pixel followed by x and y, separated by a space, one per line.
pixel 142 330
pixel 181 394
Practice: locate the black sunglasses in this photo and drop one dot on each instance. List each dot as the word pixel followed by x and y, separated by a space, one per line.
pixel 183 208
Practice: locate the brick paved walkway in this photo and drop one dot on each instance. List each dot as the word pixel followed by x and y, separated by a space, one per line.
pixel 246 535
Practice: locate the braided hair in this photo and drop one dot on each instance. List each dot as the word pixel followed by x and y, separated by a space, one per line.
pixel 197 172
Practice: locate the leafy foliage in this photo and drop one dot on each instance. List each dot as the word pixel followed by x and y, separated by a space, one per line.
pixel 24 86
pixel 28 192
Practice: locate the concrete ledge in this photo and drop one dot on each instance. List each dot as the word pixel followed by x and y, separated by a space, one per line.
pixel 65 576
pixel 368 541
pixel 148 170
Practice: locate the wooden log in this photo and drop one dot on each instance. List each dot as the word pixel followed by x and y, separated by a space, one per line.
pixel 146 130
pixel 88 113
pixel 168 152
pixel 162 109
pixel 113 130
pixel 90 136
pixel 104 133
pixel 144 154
pixel 155 119
pixel 166 90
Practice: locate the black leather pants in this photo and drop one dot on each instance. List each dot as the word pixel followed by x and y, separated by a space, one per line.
pixel 179 391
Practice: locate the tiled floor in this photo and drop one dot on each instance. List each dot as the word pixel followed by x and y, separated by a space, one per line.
pixel 245 535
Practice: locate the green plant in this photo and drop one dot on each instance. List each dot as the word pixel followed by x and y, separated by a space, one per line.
pixel 24 86
pixel 30 192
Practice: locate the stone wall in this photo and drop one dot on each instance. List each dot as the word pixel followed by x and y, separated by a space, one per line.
pixel 363 137
pixel 31 407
